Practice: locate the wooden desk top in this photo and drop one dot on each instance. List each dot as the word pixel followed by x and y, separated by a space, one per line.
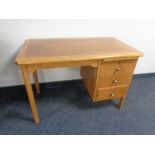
pixel 73 49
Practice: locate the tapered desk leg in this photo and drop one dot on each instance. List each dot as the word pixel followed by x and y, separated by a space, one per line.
pixel 30 93
pixel 36 81
pixel 121 102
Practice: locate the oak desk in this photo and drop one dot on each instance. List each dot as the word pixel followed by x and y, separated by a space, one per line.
pixel 107 64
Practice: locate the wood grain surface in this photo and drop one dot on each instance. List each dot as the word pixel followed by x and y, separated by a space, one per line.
pixel 73 49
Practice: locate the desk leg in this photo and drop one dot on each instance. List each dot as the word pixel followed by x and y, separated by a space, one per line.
pixel 30 93
pixel 121 102
pixel 36 81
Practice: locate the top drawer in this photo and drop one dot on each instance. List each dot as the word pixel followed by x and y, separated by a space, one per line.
pixel 120 67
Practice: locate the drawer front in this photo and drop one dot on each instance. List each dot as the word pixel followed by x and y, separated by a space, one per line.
pixel 111 93
pixel 121 67
pixel 112 81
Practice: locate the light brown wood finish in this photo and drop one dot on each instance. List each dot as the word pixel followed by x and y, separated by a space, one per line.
pixel 89 75
pixel 74 49
pixel 30 93
pixel 111 93
pixel 112 81
pixel 111 77
pixel 119 67
pixel 102 60
pixel 122 101
pixel 36 81
pixel 34 67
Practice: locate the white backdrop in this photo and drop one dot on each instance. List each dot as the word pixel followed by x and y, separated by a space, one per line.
pixel 138 33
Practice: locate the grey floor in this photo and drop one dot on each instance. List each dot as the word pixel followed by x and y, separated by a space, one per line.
pixel 66 108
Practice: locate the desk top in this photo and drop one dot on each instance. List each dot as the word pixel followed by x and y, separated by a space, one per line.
pixel 73 49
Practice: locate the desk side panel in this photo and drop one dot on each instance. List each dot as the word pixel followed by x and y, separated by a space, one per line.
pixel 89 76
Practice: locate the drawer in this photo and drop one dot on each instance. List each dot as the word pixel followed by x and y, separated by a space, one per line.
pixel 111 93
pixel 112 81
pixel 121 67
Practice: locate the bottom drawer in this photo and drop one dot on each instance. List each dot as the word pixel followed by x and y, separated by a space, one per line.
pixel 111 93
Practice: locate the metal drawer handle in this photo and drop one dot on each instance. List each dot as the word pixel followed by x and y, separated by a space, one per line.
pixel 115 81
pixel 113 94
pixel 118 69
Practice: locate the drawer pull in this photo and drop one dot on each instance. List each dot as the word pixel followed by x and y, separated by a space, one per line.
pixel 115 81
pixel 118 69
pixel 113 94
